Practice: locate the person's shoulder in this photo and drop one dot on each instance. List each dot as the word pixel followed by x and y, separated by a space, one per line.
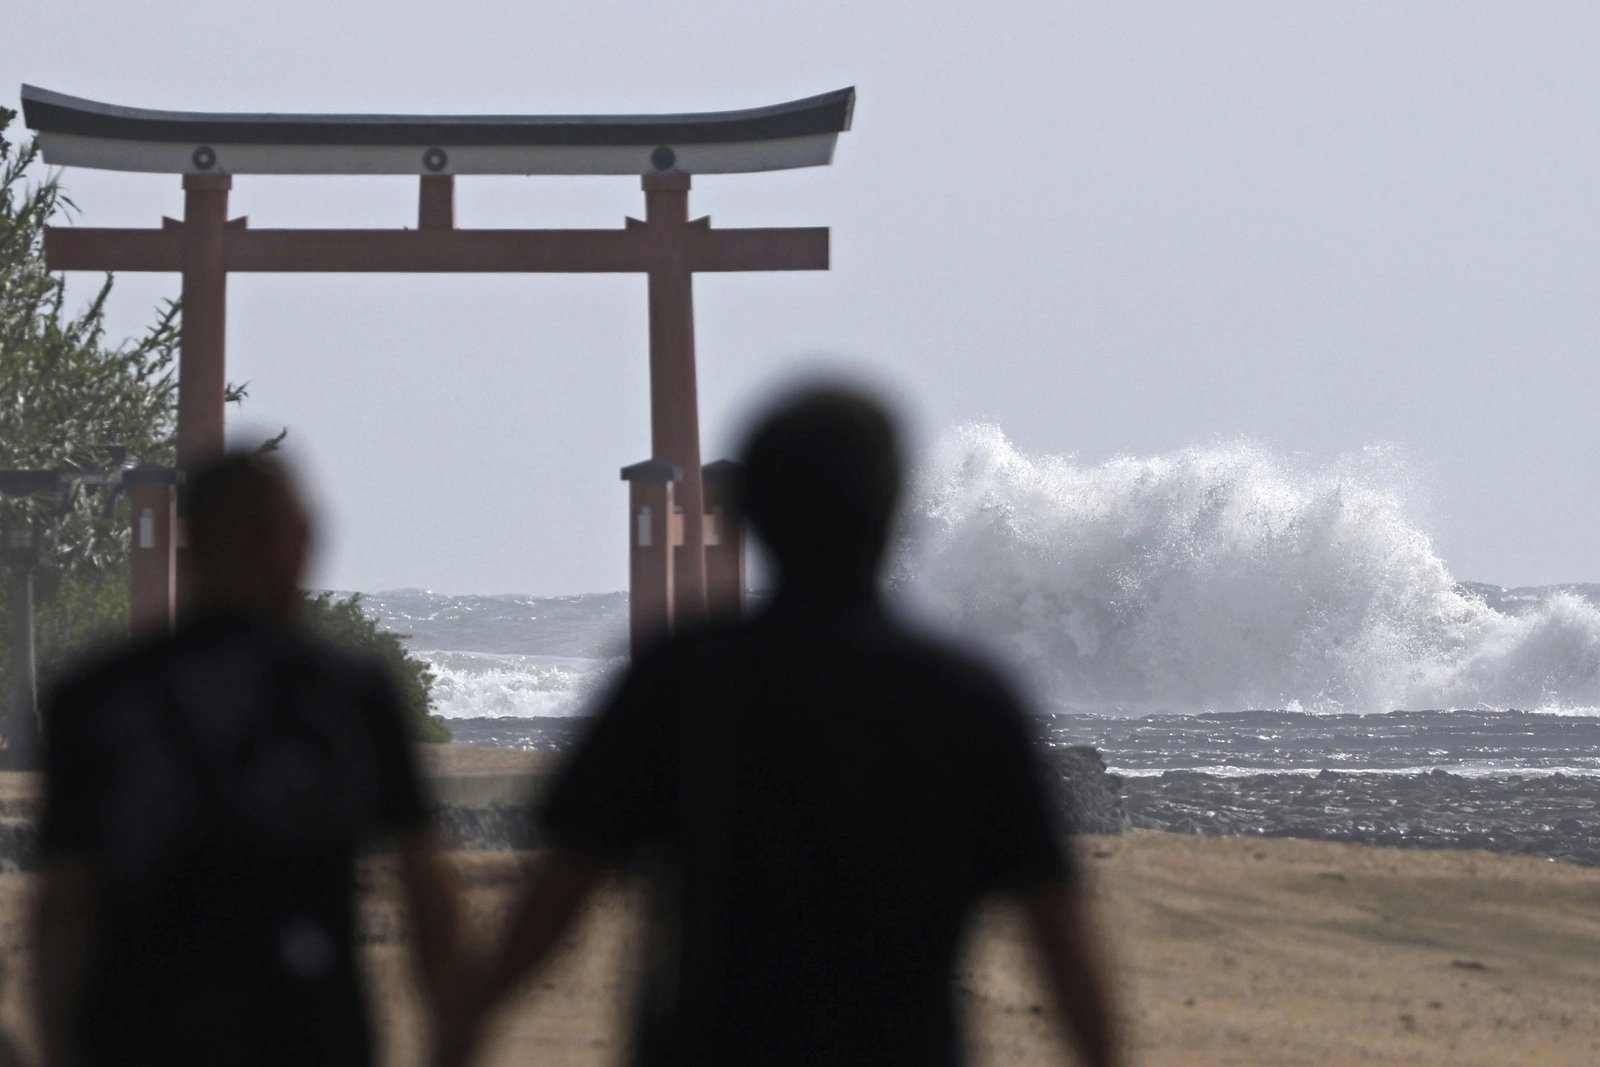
pixel 114 664
pixel 331 659
pixel 692 649
pixel 711 637
pixel 967 698
pixel 286 648
pixel 946 664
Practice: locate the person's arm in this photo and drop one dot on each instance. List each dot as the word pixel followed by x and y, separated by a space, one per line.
pixel 562 884
pixel 559 888
pixel 1074 962
pixel 432 902
pixel 62 927
pixel 617 790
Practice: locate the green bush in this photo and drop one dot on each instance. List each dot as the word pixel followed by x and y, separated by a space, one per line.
pixel 66 393
pixel 343 622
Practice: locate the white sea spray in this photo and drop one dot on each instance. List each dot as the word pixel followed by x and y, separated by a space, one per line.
pixel 1222 577
pixel 1218 577
pixel 470 685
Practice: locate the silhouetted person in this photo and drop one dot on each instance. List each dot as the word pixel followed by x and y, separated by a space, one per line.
pixel 207 794
pixel 827 795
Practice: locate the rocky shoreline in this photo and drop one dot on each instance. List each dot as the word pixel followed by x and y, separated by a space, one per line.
pixel 1555 815
pixel 1550 814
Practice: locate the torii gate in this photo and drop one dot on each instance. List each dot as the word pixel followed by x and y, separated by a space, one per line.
pixel 674 549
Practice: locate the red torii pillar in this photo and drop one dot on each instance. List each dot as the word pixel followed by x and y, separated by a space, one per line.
pixel 699 534
pixel 153 562
pixel 725 581
pixel 655 536
pixel 666 246
pixel 674 392
pixel 202 353
pixel 657 546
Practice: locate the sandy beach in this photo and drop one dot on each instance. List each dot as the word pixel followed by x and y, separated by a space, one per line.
pixel 1227 951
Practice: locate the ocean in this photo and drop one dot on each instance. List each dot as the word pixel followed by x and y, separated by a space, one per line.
pixel 1222 608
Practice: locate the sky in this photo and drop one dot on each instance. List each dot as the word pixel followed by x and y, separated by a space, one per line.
pixel 1110 229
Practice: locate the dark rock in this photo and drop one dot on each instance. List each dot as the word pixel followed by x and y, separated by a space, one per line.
pixel 1537 817
pixel 496 828
pixel 19 844
pixel 1088 800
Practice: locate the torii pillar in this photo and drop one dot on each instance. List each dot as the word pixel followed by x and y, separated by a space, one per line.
pixel 202 360
pixel 674 391
pixel 202 380
pixel 669 518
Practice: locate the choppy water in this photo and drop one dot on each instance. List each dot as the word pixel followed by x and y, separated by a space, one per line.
pixel 1462 742
pixel 1146 604
pixel 509 656
pixel 1239 744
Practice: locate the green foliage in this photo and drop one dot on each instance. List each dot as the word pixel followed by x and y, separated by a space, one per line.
pixel 343 622
pixel 64 395
pixel 86 607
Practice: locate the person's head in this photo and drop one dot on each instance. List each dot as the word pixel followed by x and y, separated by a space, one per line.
pixel 819 482
pixel 249 534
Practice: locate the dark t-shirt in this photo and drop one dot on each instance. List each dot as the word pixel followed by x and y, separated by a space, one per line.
pixel 826 795
pixel 219 782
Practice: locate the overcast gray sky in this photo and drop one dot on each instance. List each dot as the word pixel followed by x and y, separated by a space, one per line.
pixel 1108 228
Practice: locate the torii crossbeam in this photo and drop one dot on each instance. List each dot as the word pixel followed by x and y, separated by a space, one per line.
pixel 669 247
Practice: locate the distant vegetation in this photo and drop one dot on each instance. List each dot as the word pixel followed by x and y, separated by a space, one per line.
pixel 64 395
pixel 344 622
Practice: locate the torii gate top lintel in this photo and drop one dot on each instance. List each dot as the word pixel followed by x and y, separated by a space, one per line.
pixel 86 133
pixel 667 246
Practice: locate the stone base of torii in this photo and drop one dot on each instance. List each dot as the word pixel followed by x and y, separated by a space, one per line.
pixel 661 598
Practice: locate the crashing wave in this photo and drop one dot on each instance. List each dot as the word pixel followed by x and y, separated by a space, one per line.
pixel 471 685
pixel 1223 577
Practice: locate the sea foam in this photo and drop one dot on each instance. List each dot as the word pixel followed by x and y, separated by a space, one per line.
pixel 471 685
pixel 1220 578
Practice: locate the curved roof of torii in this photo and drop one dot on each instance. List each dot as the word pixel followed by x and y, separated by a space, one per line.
pixel 76 132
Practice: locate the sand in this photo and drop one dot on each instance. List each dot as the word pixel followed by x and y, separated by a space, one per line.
pixel 1225 951
pixel 469 759
pixel 1234 951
